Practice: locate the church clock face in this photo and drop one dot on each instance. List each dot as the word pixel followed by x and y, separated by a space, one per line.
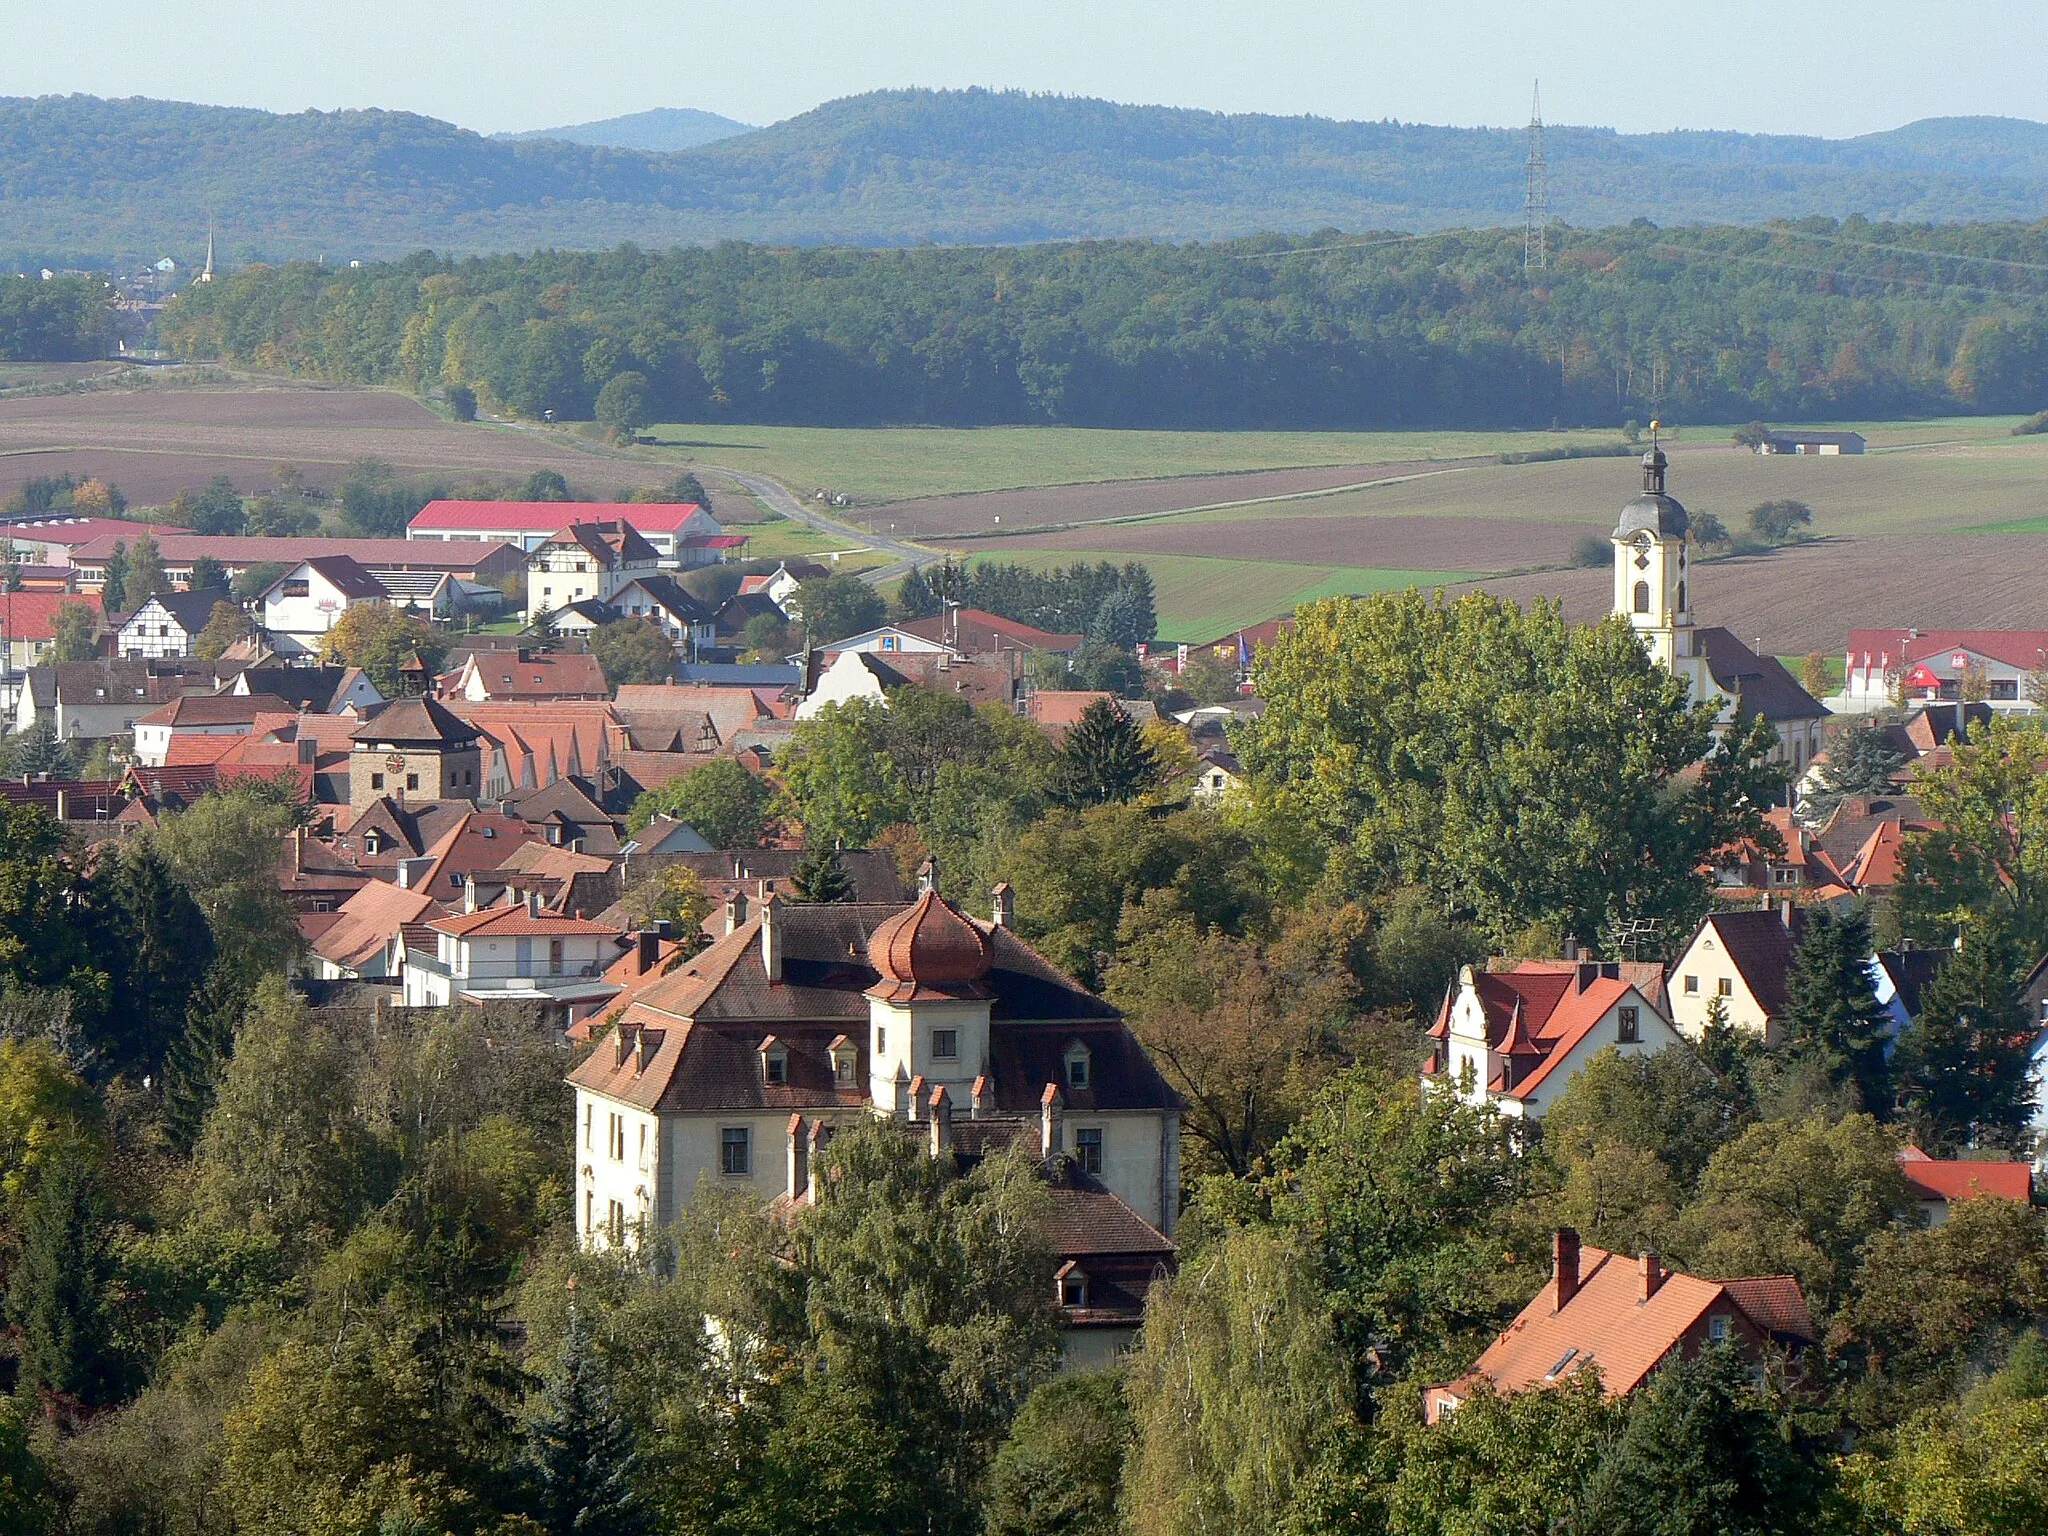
pixel 395 762
pixel 1642 551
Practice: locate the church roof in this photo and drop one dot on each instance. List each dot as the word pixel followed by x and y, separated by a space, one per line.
pixel 1653 512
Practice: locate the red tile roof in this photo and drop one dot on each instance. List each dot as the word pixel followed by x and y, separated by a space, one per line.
pixel 1965 1179
pixel 518 920
pixel 369 920
pixel 179 547
pixel 33 615
pixel 215 709
pixel 974 630
pixel 2023 648
pixel 1536 1014
pixel 549 675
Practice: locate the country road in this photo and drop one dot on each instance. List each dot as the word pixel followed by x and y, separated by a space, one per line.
pixel 777 498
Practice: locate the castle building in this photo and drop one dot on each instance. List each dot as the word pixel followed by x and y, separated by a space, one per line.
pixel 1652 571
pixel 414 750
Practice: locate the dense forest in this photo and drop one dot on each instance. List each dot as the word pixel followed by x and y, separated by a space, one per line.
pixel 65 319
pixel 86 181
pixel 1814 319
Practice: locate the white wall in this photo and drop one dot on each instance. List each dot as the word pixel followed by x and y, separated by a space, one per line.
pixel 842 682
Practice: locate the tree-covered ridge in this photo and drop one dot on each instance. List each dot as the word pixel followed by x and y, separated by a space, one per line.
pixel 1723 323
pixel 82 175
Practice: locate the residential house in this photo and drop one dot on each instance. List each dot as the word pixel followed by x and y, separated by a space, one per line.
pixel 301 606
pixel 482 564
pixel 364 941
pixel 28 621
pixel 222 714
pixel 1939 1183
pixel 585 561
pixel 168 624
pixel 1741 958
pixel 524 675
pixel 1748 874
pixel 729 623
pixel 962 631
pixel 1899 977
pixel 852 675
pixel 781 584
pixel 1922 665
pixel 578 811
pixel 733 1070
pixel 1515 1038
pixel 660 599
pixel 90 700
pixel 1058 710
pixel 1217 773
pixel 682 533
pixel 323 690
pixel 512 954
pixel 1625 1318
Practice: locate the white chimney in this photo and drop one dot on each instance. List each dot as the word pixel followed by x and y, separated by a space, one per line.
pixel 1051 1117
pixel 1004 904
pixel 735 911
pixel 469 893
pixel 772 938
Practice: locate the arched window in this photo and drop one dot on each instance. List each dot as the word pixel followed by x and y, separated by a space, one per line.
pixel 1642 597
pixel 1681 597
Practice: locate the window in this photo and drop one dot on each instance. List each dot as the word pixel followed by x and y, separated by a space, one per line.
pixel 643 1143
pixel 1725 987
pixel 2005 688
pixel 617 1138
pixel 1717 1329
pixel 1681 595
pixel 881 1039
pixel 1074 1290
pixel 775 1067
pixel 376 781
pixel 587 1115
pixel 618 1222
pixel 589 1211
pixel 555 956
pixel 1078 1066
pixel 945 1044
pixel 842 1067
pixel 1088 1149
pixel 1692 986
pixel 732 1151
pixel 1630 1025
pixel 1642 597
pixel 412 781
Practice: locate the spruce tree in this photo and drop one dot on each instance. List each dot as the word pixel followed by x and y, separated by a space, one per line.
pixel 582 1449
pixel 37 750
pixel 159 948
pixel 196 1059
pixel 1137 584
pixel 1962 1065
pixel 114 589
pixel 57 1297
pixel 820 876
pixel 1832 1017
pixel 915 598
pixel 1104 759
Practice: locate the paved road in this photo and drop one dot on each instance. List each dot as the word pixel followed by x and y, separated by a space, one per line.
pixel 778 499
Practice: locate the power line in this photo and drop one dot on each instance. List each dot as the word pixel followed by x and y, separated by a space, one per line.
pixel 1912 250
pixel 1317 250
pixel 1846 276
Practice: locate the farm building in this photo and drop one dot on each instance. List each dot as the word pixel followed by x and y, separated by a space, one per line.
pixel 1802 440
pixel 682 533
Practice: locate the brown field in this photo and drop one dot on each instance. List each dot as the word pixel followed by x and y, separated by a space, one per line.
pixel 1055 506
pixel 1402 543
pixel 1808 597
pixel 153 442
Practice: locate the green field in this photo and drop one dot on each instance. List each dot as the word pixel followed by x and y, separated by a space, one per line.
pixel 1199 598
pixel 780 539
pixel 879 464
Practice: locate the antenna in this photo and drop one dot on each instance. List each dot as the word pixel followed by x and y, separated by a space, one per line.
pixel 1535 193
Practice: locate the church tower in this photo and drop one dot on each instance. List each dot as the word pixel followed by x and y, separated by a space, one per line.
pixel 1650 572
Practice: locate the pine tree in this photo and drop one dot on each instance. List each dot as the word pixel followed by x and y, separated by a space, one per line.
pixel 114 589
pixel 1963 1064
pixel 1105 758
pixel 915 598
pixel 582 1450
pixel 196 1059
pixel 1115 622
pixel 1832 1015
pixel 1137 581
pixel 820 876
pixel 57 1298
pixel 161 947
pixel 37 750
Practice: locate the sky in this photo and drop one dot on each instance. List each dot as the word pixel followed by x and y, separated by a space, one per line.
pixel 1788 67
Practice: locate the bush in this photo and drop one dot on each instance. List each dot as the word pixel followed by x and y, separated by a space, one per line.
pixel 461 402
pixel 2036 423
pixel 1592 550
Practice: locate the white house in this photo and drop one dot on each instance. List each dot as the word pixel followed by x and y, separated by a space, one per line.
pixel 167 624
pixel 683 533
pixel 585 562
pixel 734 1069
pixel 514 954
pixel 221 714
pixel 1513 1039
pixel 301 606
pixel 661 599
pixel 1740 958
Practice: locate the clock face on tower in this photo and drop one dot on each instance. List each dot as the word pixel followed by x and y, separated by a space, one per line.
pixel 395 763
pixel 1642 551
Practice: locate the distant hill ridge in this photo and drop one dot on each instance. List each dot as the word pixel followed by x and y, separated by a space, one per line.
pixel 662 130
pixel 84 178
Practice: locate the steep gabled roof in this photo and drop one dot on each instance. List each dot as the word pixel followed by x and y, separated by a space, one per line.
pixel 1760 947
pixel 1933 1178
pixel 1760 683
pixel 369 920
pixel 188 610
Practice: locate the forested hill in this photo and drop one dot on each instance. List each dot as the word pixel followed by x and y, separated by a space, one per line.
pixel 1810 321
pixel 82 178
pixel 663 129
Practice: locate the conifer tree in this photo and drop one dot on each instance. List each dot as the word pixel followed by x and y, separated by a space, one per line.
pixel 820 876
pixel 582 1450
pixel 159 946
pixel 146 574
pixel 57 1297
pixel 114 588
pixel 1963 1063
pixel 1104 759
pixel 1137 583
pixel 1832 1017
pixel 915 598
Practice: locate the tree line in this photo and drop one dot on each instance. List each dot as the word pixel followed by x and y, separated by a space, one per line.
pixel 1816 318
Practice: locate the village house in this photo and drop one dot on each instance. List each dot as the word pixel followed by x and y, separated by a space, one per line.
pixel 221 714
pixel 168 624
pixel 660 599
pixel 516 953
pixel 733 1071
pixel 1623 1318
pixel 585 562
pixel 1939 1183
pixel 682 533
pixel 1515 1038
pixel 301 606
pixel 851 675
pixel 477 564
pixel 1810 441
pixel 28 625
pixel 1740 958
pixel 90 700
pixel 504 676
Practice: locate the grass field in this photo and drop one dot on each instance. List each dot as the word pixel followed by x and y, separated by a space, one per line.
pixel 1199 599
pixel 880 464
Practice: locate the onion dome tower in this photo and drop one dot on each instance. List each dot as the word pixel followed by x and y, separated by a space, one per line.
pixel 928 1011
pixel 1651 566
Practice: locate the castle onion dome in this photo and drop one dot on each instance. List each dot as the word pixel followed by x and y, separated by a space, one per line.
pixel 929 949
pixel 1653 512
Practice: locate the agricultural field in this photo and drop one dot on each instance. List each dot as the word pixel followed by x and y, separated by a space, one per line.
pixel 154 441
pixel 895 464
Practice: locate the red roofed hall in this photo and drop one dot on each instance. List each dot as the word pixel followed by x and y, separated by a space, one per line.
pixel 1623 1318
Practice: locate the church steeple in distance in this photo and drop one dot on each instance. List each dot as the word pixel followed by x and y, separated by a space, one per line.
pixel 206 272
pixel 1651 560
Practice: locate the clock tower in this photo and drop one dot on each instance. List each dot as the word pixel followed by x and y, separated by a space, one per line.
pixel 1651 571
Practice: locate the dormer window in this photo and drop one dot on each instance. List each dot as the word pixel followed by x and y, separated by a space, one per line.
pixel 1072 1281
pixel 1079 1067
pixel 373 842
pixel 844 1061
pixel 774 1062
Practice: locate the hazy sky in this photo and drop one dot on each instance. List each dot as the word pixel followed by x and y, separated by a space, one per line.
pixel 495 64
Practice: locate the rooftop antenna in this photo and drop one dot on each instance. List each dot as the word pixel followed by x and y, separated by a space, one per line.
pixel 1535 193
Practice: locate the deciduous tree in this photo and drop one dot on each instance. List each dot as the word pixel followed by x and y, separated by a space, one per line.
pixel 71 631
pixel 724 803
pixel 633 651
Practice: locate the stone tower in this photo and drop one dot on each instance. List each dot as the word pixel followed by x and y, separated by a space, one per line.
pixel 1650 574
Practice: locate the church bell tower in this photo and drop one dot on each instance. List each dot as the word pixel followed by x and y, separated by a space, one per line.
pixel 1650 574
